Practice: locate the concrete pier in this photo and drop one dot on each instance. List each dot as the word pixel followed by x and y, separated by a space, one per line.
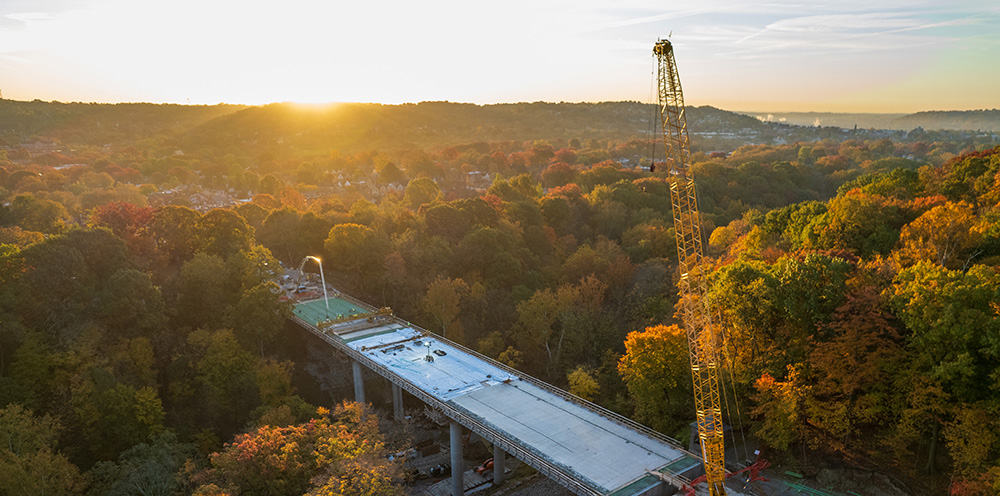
pixel 499 465
pixel 457 473
pixel 397 402
pixel 359 384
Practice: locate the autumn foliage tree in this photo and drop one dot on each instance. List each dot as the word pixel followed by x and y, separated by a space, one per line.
pixel 856 366
pixel 127 221
pixel 782 406
pixel 355 249
pixel 941 235
pixel 339 452
pixel 442 302
pixel 30 461
pixel 871 274
pixel 657 371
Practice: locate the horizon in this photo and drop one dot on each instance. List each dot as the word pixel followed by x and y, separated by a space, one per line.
pixel 324 104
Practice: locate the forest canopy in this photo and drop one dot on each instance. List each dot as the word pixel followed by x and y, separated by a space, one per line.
pixel 141 331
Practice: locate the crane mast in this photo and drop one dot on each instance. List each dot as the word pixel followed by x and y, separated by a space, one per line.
pixel 703 341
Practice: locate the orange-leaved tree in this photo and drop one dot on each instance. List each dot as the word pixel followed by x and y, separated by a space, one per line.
pixel 337 453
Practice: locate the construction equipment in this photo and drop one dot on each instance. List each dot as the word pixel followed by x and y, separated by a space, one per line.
pixel 702 335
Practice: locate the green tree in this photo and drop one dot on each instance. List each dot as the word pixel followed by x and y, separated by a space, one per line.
pixel 954 323
pixel 421 191
pixel 29 461
pixel 224 390
pixel 541 320
pixel 866 224
pixel 652 239
pixel 745 292
pixel 223 232
pixel 280 233
pixel 270 185
pixel 972 438
pixel 390 173
pixel 30 377
pixel 772 311
pixel 442 303
pixel 657 372
pixel 114 416
pixel 252 213
pixel 205 292
pixel 357 250
pixel 491 254
pixel 152 468
pixel 130 305
pixel 583 384
pixel 175 231
pixel 446 221
pixel 41 215
pixel 258 316
pixel 252 267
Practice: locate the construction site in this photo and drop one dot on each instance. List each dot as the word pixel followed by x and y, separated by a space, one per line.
pixel 585 449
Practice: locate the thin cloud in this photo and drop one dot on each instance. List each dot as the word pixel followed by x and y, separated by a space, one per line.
pixel 30 16
pixel 836 23
pixel 842 39
pixel 663 17
pixel 845 22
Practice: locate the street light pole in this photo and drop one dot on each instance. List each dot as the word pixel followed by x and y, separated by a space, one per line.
pixel 322 279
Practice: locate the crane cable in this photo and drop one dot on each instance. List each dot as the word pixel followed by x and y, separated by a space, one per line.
pixel 727 362
pixel 652 113
pixel 732 383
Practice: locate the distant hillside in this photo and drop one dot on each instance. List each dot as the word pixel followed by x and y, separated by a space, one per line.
pixel 357 126
pixel 968 120
pixel 99 124
pixel 350 126
pixel 435 124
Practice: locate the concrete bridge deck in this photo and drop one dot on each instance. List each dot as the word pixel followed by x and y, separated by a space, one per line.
pixel 585 448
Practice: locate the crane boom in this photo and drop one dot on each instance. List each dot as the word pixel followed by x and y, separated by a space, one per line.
pixel 703 342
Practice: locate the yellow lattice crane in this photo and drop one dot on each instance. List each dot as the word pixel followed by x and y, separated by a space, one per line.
pixel 702 335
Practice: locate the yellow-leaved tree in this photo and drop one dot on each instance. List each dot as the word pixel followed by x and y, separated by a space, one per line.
pixel 656 370
pixel 942 235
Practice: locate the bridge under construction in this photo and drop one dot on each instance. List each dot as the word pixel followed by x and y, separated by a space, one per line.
pixel 583 447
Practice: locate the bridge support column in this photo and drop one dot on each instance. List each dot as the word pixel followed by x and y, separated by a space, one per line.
pixel 359 384
pixel 397 402
pixel 499 464
pixel 457 474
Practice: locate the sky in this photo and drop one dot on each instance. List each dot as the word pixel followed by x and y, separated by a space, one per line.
pixel 800 55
